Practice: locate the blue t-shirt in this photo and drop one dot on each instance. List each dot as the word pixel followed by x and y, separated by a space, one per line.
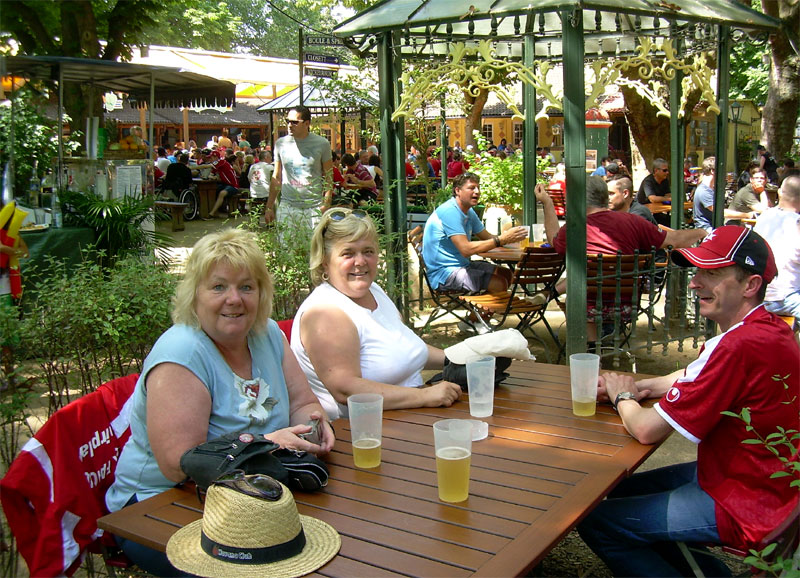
pixel 599 172
pixel 440 254
pixel 703 199
pixel 259 405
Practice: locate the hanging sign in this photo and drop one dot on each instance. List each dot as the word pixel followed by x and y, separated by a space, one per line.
pixel 320 72
pixel 321 58
pixel 324 41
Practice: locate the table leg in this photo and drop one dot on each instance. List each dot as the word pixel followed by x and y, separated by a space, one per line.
pixel 207 193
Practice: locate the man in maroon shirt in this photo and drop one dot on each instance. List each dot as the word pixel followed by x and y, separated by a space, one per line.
pixel 609 232
pixel 358 179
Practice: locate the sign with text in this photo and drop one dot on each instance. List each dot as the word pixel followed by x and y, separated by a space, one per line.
pixel 321 58
pixel 323 41
pixel 320 72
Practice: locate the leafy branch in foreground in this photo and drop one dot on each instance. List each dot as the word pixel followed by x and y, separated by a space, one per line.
pixel 786 439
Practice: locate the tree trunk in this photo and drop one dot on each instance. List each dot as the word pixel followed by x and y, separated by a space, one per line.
pixel 79 38
pixel 783 98
pixel 649 132
pixel 474 112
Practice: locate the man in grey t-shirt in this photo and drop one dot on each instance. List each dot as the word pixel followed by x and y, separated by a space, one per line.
pixel 303 172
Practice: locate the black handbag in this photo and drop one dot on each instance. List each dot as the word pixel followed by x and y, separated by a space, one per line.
pixel 457 372
pixel 253 454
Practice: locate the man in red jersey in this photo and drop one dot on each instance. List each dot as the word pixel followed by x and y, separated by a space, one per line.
pixel 229 184
pixel 728 495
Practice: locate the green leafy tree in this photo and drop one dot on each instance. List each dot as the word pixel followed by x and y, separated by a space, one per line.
pixel 202 24
pixel 76 28
pixel 782 107
pixel 749 76
pixel 250 26
pixel 34 135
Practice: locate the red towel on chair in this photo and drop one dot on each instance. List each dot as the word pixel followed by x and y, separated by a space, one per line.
pixel 54 491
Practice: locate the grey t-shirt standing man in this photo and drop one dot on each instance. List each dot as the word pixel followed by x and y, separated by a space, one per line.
pixel 303 172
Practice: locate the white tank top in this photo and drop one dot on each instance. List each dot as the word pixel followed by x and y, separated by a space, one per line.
pixel 390 352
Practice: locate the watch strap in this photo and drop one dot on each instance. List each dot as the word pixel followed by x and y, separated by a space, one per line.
pixel 623 395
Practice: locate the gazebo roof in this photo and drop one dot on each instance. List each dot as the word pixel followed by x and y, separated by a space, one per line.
pixel 173 86
pixel 318 100
pixel 610 26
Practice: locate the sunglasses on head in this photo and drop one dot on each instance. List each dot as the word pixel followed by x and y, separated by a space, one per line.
pixel 255 485
pixel 336 215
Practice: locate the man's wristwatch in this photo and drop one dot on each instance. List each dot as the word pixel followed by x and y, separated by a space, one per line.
pixel 623 395
pixel 497 241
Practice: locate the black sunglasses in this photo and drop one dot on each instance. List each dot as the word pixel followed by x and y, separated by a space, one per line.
pixel 255 485
pixel 294 122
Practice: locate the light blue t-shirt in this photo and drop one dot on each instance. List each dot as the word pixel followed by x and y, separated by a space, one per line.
pixel 703 199
pixel 259 405
pixel 440 254
pixel 599 172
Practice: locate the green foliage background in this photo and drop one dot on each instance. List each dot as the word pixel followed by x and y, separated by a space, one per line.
pixel 34 138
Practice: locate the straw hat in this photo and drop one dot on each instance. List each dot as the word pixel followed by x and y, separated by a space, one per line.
pixel 239 532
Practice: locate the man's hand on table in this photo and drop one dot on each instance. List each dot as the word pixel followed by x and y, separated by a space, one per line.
pixel 609 385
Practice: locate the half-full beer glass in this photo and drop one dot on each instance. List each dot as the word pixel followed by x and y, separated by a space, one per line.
pixel 453 442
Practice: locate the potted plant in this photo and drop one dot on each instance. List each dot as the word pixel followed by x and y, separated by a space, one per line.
pixel 501 182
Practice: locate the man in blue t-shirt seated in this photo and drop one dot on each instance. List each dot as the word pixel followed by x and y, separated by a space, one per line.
pixel 448 244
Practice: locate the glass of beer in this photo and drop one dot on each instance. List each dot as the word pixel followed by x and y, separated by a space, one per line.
pixel 583 371
pixel 453 442
pixel 366 419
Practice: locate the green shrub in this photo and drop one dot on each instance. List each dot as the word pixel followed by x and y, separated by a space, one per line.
pixel 90 324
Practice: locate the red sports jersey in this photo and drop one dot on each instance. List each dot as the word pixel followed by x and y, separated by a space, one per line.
pixel 226 173
pixel 747 366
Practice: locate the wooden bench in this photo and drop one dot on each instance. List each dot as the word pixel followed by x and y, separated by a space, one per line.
pixel 176 211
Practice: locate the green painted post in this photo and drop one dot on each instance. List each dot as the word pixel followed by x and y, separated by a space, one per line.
pixel 723 87
pixel 445 142
pixel 529 136
pixel 677 140
pixel 575 161
pixel 676 144
pixel 386 98
pixel 399 200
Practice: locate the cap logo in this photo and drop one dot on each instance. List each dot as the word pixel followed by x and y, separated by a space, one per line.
pixel 709 237
pixel 749 261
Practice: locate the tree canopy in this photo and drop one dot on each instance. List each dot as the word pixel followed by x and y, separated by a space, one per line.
pixel 264 28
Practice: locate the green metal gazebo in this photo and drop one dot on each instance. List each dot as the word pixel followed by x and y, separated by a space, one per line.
pixel 575 34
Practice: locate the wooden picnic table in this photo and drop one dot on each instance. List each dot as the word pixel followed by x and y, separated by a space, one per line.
pixel 657 208
pixel 502 255
pixel 540 471
pixel 206 194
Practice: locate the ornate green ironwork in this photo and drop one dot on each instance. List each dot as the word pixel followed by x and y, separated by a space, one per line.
pixel 477 69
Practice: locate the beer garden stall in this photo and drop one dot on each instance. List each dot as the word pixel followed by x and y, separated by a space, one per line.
pixel 595 41
pixel 145 86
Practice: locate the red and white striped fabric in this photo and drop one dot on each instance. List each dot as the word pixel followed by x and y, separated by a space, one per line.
pixel 54 491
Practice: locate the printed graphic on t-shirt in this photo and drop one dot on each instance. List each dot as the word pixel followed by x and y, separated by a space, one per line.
pixel 257 404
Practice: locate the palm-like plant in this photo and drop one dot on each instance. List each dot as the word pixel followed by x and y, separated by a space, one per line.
pixel 117 223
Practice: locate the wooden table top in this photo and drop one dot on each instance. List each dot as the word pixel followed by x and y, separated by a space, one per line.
pixel 656 208
pixel 540 471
